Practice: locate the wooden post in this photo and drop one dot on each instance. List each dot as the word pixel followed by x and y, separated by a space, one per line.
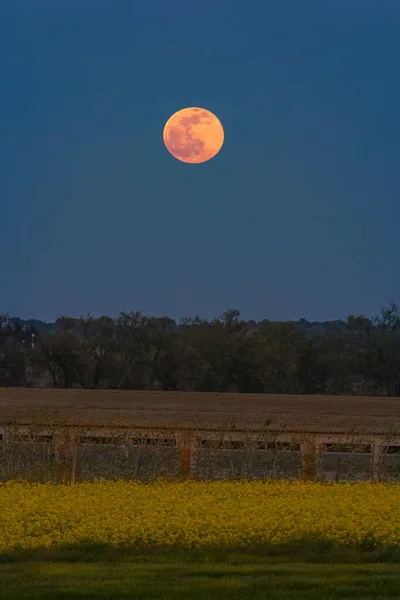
pixel 319 452
pixel 308 460
pixel 376 450
pixel 73 465
pixel 64 474
pixel 184 461
pixel 185 456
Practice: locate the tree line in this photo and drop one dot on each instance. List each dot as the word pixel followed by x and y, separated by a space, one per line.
pixel 356 356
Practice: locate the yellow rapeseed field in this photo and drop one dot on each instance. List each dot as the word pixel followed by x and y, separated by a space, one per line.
pixel 197 514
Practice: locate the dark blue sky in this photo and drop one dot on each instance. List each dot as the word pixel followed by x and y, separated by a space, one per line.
pixel 297 216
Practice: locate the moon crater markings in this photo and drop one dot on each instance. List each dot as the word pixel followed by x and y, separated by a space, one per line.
pixel 193 135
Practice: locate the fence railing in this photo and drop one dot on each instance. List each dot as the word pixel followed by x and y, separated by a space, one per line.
pixel 39 453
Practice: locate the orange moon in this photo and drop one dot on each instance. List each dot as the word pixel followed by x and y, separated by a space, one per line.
pixel 193 135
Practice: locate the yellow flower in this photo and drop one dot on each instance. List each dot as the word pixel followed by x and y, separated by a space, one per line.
pixel 194 514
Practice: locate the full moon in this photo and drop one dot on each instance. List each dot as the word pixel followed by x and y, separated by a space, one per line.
pixel 193 135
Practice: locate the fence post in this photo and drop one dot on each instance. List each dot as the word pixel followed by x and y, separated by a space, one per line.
pixel 63 457
pixel 308 459
pixel 64 453
pixel 376 450
pixel 185 455
pixel 73 465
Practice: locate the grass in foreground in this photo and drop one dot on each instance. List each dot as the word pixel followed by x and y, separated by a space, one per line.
pixel 284 573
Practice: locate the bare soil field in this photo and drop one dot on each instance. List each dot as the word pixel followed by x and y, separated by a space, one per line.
pixel 207 411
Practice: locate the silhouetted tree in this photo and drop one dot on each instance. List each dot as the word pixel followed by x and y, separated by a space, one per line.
pixel 133 351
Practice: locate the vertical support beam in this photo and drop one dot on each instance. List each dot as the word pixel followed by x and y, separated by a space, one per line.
pixel 186 456
pixel 64 449
pixel 308 459
pixel 73 465
pixel 319 452
pixel 376 451
pixel 63 454
pixel 184 462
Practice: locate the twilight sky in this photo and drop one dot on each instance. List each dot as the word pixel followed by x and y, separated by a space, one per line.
pixel 297 216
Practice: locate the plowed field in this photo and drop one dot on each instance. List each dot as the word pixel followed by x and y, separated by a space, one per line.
pixel 121 408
